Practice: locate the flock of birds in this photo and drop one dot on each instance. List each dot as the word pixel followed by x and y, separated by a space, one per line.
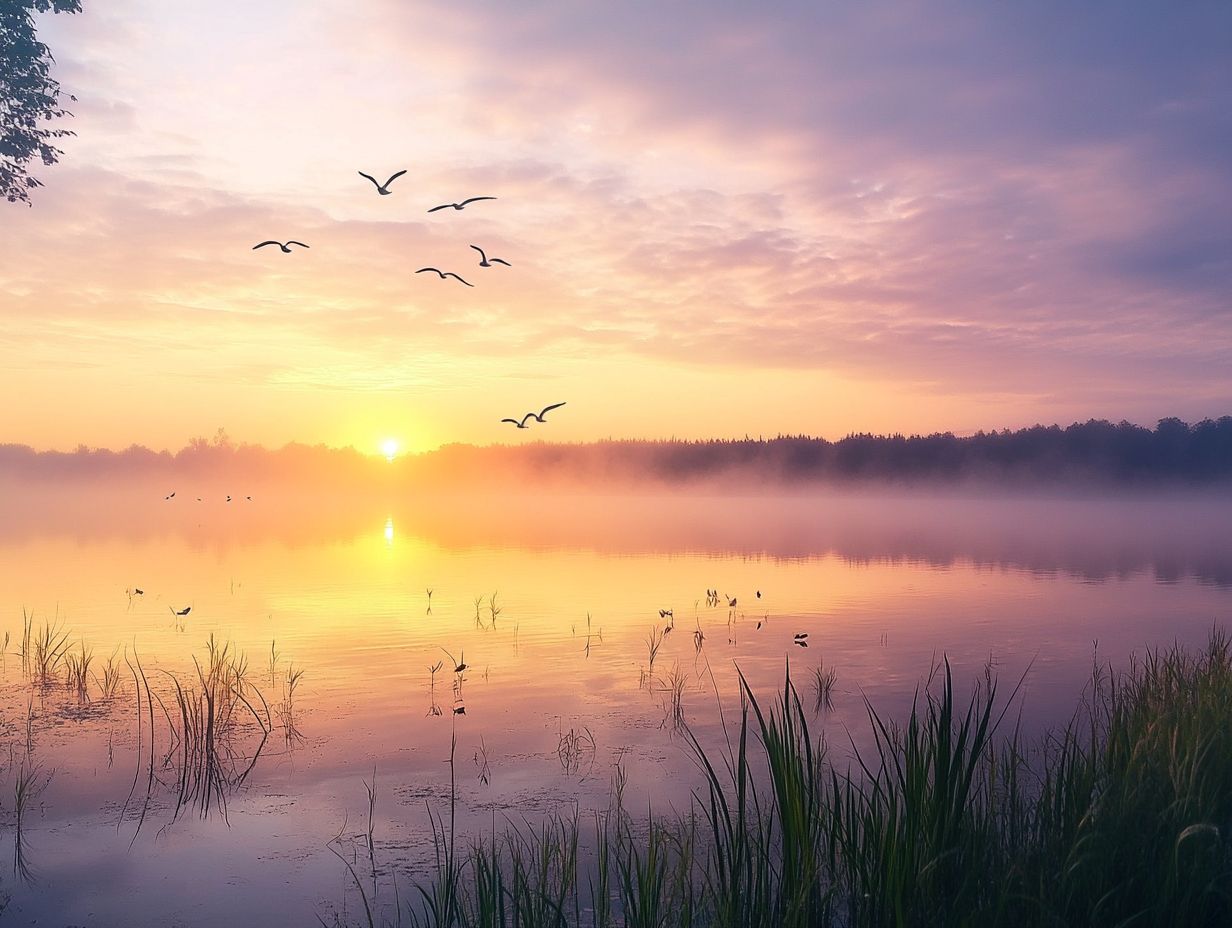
pixel 484 261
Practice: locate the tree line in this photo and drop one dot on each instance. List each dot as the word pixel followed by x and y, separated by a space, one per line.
pixel 1096 451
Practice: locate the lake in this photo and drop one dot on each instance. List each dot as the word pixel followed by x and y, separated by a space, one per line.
pixel 351 615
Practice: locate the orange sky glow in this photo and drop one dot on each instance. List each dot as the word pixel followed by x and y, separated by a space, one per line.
pixel 742 224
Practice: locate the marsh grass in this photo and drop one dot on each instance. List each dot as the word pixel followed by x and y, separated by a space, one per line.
pixel 575 749
pixel 674 687
pixel 29 782
pixel 824 679
pixel 654 641
pixel 1120 818
pixel 42 648
pixel 286 706
pixel 77 672
pixel 210 761
pixel 110 682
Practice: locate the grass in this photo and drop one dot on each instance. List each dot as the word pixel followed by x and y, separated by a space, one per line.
pixel 1123 817
pixel 77 672
pixel 207 758
pixel 43 648
pixel 824 679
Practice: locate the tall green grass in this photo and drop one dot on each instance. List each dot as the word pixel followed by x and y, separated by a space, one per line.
pixel 1120 818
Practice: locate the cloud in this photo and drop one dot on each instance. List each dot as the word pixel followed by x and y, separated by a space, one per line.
pixel 984 200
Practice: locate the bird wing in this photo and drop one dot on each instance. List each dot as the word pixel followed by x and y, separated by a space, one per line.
pixel 525 417
pixel 442 206
pixel 422 269
pixel 263 244
pixel 500 261
pixel 300 244
pixel 452 274
pixel 370 177
pixel 394 177
pixel 473 199
pixel 480 250
pixel 514 421
pixel 548 409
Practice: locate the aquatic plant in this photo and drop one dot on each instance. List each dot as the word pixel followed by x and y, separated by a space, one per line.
pixel 824 679
pixel 77 672
pixel 1120 817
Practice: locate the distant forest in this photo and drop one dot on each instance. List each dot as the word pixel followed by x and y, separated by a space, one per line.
pixel 1094 452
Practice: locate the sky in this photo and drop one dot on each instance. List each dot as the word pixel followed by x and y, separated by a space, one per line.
pixel 722 219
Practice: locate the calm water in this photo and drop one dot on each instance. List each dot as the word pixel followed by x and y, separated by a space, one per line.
pixel 549 602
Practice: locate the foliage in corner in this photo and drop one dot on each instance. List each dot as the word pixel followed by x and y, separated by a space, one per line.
pixel 29 95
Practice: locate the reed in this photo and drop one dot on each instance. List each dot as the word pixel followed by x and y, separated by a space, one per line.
pixel 42 648
pixel 824 679
pixel 109 683
pixel 209 760
pixel 29 782
pixel 1121 817
pixel 654 641
pixel 77 672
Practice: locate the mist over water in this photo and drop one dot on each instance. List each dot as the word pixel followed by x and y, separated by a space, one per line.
pixel 549 598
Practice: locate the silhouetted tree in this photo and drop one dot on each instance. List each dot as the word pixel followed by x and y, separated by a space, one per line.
pixel 29 96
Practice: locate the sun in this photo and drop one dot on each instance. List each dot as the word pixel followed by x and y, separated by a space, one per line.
pixel 389 447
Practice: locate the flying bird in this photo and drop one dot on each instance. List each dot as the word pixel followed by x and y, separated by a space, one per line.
pixel 170 495
pixel 486 262
pixel 545 411
pixel 285 247
pixel 137 591
pixel 443 274
pixel 461 205
pixel 537 416
pixel 382 189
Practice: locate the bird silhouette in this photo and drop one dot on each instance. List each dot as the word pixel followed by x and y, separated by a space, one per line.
pixel 522 424
pixel 228 499
pixel 138 592
pixel 285 247
pixel 184 611
pixel 546 409
pixel 443 274
pixel 170 495
pixel 382 189
pixel 458 667
pixel 461 205
pixel 486 262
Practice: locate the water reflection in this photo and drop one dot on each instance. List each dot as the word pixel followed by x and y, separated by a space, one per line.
pixel 1169 537
pixel 541 642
